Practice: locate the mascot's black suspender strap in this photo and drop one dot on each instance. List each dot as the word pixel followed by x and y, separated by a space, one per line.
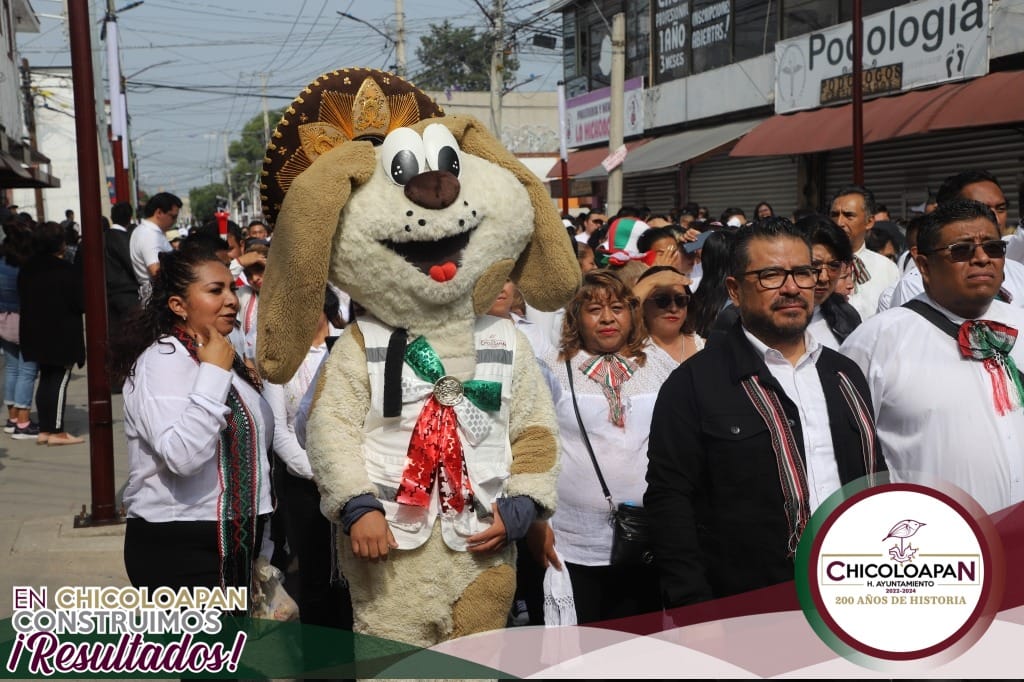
pixel 393 373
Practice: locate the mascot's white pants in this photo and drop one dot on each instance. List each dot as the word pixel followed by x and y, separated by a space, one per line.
pixel 430 594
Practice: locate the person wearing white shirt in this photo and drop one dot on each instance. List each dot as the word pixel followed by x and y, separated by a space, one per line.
pixel 754 432
pixel 322 601
pixel 853 209
pixel 604 361
pixel 946 404
pixel 148 239
pixel 198 494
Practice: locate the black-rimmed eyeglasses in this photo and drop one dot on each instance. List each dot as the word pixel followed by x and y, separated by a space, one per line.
pixel 964 251
pixel 805 277
pixel 835 268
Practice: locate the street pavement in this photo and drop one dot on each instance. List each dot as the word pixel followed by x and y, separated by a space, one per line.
pixel 42 489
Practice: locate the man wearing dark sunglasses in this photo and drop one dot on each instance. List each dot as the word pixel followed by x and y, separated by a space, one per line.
pixel 752 433
pixel 943 367
pixel 983 187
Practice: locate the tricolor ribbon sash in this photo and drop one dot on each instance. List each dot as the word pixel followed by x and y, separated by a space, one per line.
pixel 991 343
pixel 435 449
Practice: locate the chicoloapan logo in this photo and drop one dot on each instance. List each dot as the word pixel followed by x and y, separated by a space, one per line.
pixel 898 572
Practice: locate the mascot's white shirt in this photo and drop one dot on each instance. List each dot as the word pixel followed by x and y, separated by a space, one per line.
pixel 484 436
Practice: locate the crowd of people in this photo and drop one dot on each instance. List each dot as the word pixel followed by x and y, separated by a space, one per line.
pixel 727 375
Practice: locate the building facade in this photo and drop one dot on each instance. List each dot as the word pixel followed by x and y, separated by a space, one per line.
pixel 21 165
pixel 747 101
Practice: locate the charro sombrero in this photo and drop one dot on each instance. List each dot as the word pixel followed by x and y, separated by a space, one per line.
pixel 338 107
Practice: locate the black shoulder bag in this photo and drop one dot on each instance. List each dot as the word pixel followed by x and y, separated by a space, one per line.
pixel 631 543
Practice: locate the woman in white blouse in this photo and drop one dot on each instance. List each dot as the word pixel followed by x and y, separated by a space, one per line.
pixel 198 492
pixel 604 358
pixel 664 296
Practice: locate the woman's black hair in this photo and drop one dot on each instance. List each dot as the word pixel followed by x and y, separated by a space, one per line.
pixel 711 295
pixel 48 238
pixel 822 230
pixel 154 320
pixel 17 245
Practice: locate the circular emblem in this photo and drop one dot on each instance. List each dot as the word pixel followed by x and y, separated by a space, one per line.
pixel 899 572
pixel 448 391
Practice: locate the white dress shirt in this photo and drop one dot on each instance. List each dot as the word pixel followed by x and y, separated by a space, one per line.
pixel 174 411
pixel 884 274
pixel 146 244
pixel 822 333
pixel 803 386
pixel 934 410
pixel 285 401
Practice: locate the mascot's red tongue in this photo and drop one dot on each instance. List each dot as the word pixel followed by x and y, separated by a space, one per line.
pixel 443 272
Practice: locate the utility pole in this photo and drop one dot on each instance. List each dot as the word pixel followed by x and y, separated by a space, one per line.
pixel 497 66
pixel 30 123
pixel 227 175
pixel 400 42
pixel 266 116
pixel 858 92
pixel 615 118
pixel 101 434
pixel 118 112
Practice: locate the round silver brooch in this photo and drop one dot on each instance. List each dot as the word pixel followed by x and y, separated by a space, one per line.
pixel 448 391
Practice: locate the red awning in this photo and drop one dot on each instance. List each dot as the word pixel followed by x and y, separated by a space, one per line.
pixel 589 158
pixel 995 99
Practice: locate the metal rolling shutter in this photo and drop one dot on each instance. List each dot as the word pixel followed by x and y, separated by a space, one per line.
pixel 660 192
pixel 724 182
pixel 902 172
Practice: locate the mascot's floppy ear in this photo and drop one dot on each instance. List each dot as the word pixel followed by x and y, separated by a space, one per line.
pixel 292 295
pixel 547 272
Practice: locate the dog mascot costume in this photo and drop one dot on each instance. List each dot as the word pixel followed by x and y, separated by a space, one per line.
pixel 427 409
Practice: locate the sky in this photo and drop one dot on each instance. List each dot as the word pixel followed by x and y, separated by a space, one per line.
pixel 196 68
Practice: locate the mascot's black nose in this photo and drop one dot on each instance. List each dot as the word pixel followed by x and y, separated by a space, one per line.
pixel 433 189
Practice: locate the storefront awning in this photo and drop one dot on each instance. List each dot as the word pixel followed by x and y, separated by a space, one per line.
pixel 995 99
pixel 582 161
pixel 672 150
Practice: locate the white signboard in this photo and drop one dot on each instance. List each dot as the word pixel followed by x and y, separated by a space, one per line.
pixel 911 46
pixel 588 115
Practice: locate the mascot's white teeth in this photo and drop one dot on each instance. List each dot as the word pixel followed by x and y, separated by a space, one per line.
pixel 439 259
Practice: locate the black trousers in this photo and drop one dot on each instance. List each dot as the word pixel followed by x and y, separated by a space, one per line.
pixel 179 554
pixel 311 537
pixel 607 592
pixel 52 397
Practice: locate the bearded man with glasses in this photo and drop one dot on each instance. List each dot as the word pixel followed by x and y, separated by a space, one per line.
pixel 948 397
pixel 752 433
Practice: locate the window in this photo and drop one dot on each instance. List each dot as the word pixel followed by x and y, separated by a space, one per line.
pixel 804 16
pixel 757 27
pixel 711 31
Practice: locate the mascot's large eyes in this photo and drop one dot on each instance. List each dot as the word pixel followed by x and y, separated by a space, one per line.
pixel 442 149
pixel 402 155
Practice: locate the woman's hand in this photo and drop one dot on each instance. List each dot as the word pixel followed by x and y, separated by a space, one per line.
pixel 541 541
pixel 214 347
pixel 371 537
pixel 491 539
pixel 666 256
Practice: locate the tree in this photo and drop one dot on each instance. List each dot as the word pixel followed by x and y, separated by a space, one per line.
pixel 204 200
pixel 458 58
pixel 248 151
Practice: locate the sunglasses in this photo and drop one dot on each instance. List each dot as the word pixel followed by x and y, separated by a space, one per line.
pixel 964 251
pixel 665 301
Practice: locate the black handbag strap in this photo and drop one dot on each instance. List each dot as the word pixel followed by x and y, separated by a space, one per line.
pixel 586 440
pixel 934 316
